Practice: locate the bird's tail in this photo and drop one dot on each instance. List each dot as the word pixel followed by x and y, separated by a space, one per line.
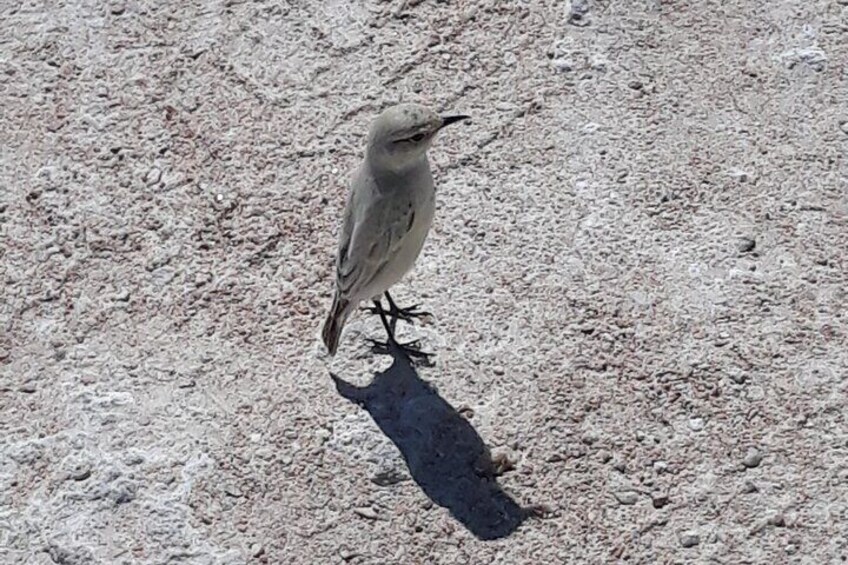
pixel 334 323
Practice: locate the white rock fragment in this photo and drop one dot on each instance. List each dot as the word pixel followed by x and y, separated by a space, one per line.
pixel 598 63
pixel 689 539
pixel 366 512
pixel 153 176
pixel 627 497
pixel 740 175
pixel 753 458
pixel 813 57
pixel 563 65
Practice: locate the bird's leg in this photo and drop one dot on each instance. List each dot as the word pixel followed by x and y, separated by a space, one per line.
pixel 390 326
pixel 406 314
pixel 411 348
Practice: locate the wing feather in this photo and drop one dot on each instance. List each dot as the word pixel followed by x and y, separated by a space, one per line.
pixel 372 235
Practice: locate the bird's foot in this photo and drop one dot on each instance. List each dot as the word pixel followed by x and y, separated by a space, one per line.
pixel 411 349
pixel 406 314
pixel 409 314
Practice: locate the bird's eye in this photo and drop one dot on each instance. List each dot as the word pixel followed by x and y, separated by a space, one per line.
pixel 417 137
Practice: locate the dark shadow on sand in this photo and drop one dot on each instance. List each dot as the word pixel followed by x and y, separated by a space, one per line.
pixel 445 454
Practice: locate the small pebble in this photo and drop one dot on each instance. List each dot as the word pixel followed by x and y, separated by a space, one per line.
pixel 503 461
pixel 564 65
pixel 28 387
pixel 747 244
pixel 590 437
pixel 388 477
pixel 739 378
pixel 579 9
pixel 123 492
pixel 80 472
pixel 696 424
pixel 366 512
pixel 347 554
pixel 753 458
pixel 153 176
pixel 659 500
pixel 256 550
pixel 740 175
pixel 233 490
pixel 689 539
pixel 812 57
pixel 598 63
pixel 627 498
pixel 777 520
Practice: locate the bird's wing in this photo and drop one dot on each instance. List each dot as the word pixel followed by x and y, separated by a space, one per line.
pixel 371 237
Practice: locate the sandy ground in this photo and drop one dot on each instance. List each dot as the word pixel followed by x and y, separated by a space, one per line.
pixel 638 278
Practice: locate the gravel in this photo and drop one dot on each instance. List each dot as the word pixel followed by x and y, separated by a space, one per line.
pixel 171 182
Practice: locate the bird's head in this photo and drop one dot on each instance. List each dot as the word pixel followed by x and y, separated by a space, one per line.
pixel 400 136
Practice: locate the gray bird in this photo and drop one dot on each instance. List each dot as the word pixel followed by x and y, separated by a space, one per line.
pixel 388 214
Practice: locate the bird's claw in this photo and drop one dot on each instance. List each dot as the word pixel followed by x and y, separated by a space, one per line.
pixel 408 314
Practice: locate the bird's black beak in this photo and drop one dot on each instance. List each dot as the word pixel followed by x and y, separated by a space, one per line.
pixel 448 120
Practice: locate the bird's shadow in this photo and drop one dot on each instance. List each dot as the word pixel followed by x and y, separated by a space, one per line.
pixel 444 453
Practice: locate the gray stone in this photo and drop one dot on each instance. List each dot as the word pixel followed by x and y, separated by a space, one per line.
pixel 689 539
pixel 366 512
pixel 747 244
pixel 578 14
pixel 659 500
pixel 753 458
pixel 627 497
pixel 153 176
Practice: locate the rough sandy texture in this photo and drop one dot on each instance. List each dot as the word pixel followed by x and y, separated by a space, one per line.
pixel 637 274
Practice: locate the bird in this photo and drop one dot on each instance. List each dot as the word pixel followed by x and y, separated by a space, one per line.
pixel 388 213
